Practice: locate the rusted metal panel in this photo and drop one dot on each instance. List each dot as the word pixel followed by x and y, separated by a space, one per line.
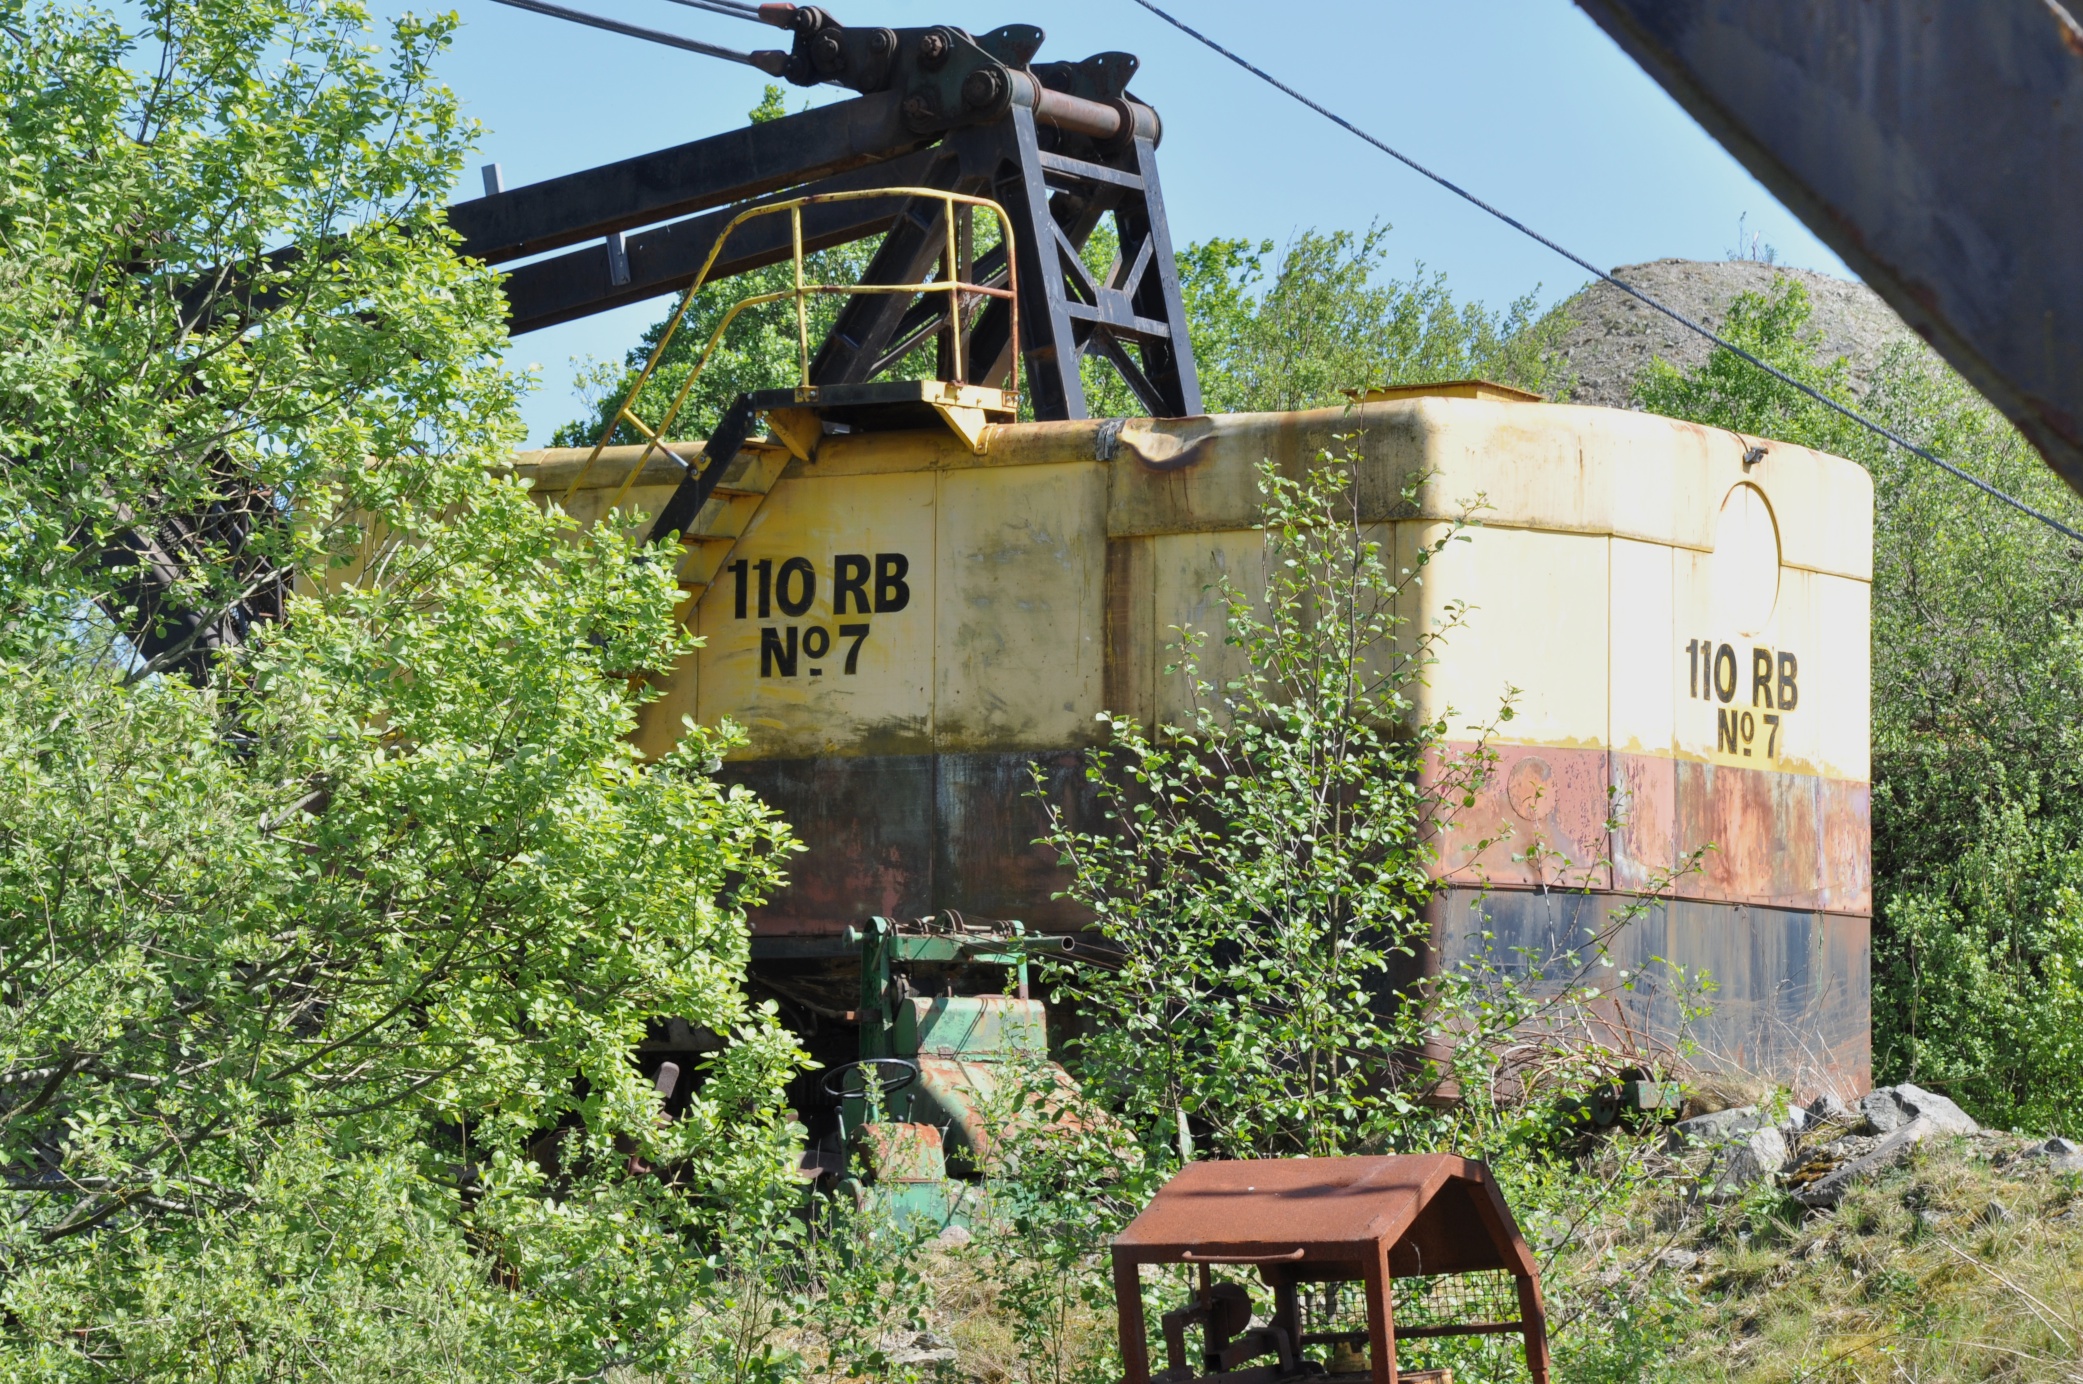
pixel 909 835
pixel 1315 1220
pixel 1542 811
pixel 1790 839
pixel 1792 986
pixel 1936 146
pixel 900 1152
pixel 971 1026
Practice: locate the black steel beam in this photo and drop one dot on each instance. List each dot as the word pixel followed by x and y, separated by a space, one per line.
pixel 711 172
pixel 1937 146
pixel 666 258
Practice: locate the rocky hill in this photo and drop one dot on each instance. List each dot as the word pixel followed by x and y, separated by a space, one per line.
pixel 1615 336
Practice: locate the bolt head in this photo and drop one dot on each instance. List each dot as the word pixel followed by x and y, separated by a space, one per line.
pixel 933 49
pixel 982 88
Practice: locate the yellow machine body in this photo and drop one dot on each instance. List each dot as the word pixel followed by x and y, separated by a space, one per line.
pixel 906 622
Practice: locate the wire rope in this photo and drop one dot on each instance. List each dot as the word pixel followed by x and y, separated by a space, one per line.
pixel 731 9
pixel 1878 429
pixel 616 26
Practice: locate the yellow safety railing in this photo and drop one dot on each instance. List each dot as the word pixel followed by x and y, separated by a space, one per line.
pixel 950 283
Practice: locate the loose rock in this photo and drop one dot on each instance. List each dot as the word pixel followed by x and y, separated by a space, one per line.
pixel 1828 1109
pixel 1819 1183
pixel 1890 1108
pixel 922 1349
pixel 2062 1155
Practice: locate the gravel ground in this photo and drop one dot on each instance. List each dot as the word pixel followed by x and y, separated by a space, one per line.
pixel 1615 336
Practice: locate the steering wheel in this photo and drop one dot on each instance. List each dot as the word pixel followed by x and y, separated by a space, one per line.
pixel 838 1075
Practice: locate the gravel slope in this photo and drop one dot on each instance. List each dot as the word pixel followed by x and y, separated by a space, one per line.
pixel 1615 337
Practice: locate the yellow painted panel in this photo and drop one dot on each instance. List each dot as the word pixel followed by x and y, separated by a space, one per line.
pixel 1021 657
pixel 1187 577
pixel 1789 696
pixel 1606 583
pixel 1841 638
pixel 1537 621
pixel 820 629
pixel 1640 670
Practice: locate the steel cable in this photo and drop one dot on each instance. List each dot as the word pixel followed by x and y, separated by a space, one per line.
pixel 616 26
pixel 730 9
pixel 1878 429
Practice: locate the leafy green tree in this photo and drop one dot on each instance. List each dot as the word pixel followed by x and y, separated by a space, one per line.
pixel 321 969
pixel 1977 669
pixel 1271 335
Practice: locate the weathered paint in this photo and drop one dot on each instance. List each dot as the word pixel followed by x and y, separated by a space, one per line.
pixel 1683 609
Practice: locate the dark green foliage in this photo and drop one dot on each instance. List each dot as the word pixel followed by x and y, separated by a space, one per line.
pixel 319 983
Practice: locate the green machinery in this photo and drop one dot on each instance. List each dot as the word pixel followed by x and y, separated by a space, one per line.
pixel 939 1073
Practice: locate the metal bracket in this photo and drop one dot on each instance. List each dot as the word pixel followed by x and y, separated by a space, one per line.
pixel 798 429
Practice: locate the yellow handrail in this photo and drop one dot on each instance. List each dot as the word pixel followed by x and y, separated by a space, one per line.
pixel 950 283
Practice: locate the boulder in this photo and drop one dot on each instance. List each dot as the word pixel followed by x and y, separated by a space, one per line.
pixel 1830 1188
pixel 2062 1155
pixel 1747 1147
pixel 1750 1157
pixel 1881 1112
pixel 1706 1131
pixel 1940 1111
pixel 1890 1108
pixel 1827 1109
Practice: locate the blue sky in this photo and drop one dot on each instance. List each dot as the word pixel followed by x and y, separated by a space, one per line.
pixel 1525 102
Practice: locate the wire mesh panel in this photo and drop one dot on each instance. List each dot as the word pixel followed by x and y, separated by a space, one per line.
pixel 1453 1304
pixel 1332 1312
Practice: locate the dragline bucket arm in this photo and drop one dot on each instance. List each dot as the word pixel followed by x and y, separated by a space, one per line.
pixel 1937 146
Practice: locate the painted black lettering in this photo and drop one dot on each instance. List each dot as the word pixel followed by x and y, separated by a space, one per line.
pixel 1772 741
pixel 1761 677
pixel 737 571
pixel 891 592
pixel 817 642
pixel 1692 650
pixel 1789 690
pixel 796 573
pixel 1725 729
pixel 850 578
pixel 1724 668
pixel 765 568
pixel 1750 731
pixel 774 654
pixel 856 633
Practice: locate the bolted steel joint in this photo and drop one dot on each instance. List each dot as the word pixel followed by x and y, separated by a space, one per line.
pixel 826 52
pixel 921 111
pixel 984 88
pixel 934 47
